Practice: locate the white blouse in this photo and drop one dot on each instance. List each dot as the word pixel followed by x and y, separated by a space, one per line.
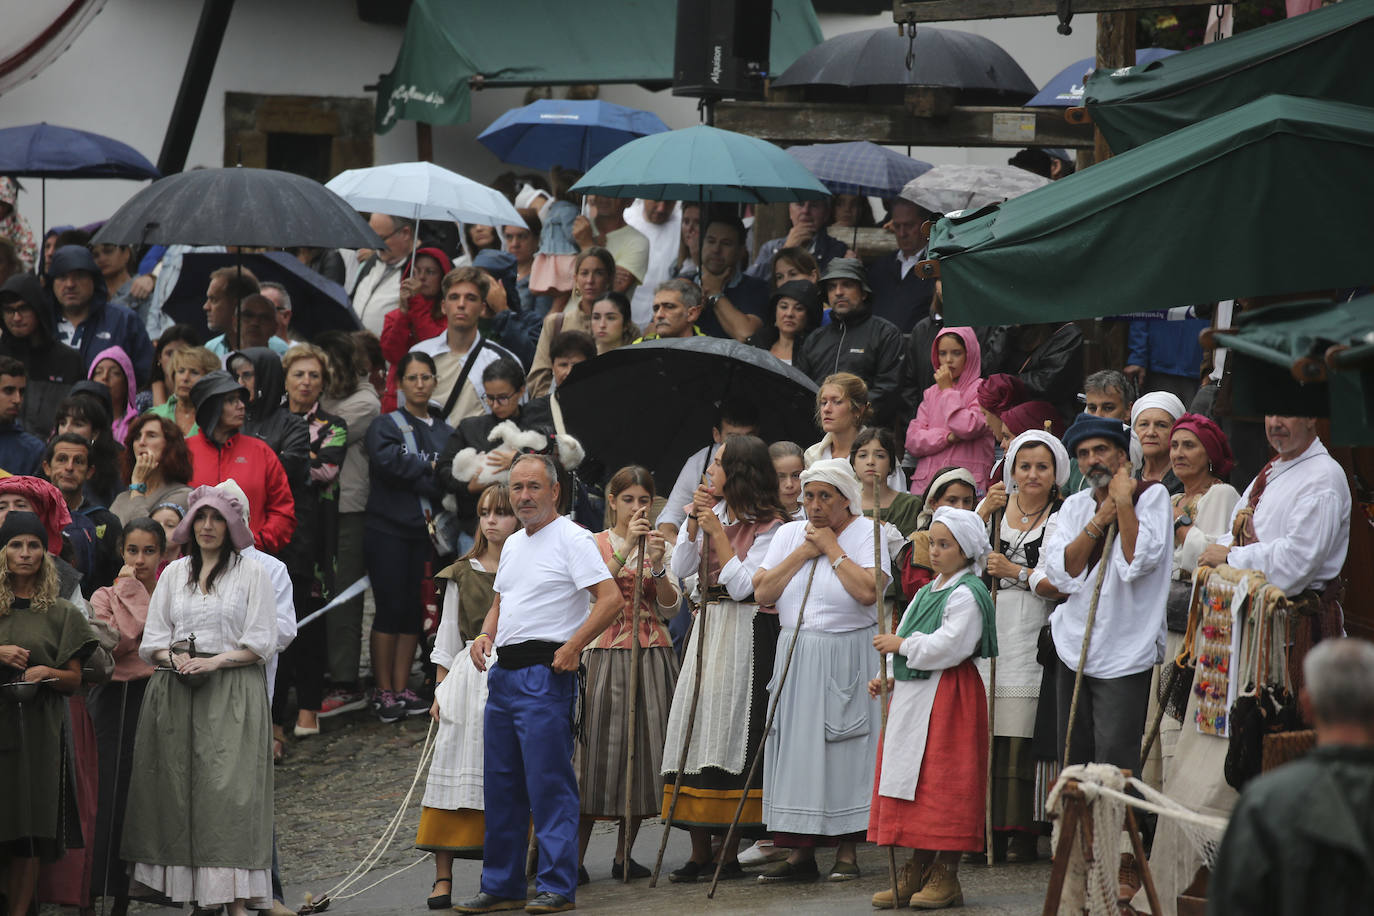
pixel 829 608
pixel 736 575
pixel 240 612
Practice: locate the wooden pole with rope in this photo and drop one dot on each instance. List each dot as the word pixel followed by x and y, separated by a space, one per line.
pixel 767 727
pixel 634 710
pixel 992 702
pixel 700 627
pixel 882 661
pixel 1108 542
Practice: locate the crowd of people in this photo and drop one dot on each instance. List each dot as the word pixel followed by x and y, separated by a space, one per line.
pixel 174 503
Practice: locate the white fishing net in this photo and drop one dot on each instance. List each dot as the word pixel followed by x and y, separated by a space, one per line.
pixel 1092 885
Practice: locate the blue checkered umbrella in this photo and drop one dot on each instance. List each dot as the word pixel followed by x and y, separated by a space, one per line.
pixel 860 167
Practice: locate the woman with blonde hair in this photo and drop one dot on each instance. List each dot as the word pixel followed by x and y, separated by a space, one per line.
pixel 600 760
pixel 188 365
pixel 842 410
pixel 43 640
pixel 451 821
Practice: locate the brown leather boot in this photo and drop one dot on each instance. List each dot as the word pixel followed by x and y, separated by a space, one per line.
pixel 941 889
pixel 909 879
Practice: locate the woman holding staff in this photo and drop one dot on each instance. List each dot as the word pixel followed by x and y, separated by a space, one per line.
pixel 1024 505
pixel 938 712
pixel 824 717
pixel 600 760
pixel 734 518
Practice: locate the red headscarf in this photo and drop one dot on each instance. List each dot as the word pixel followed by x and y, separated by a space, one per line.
pixel 1001 392
pixel 1033 415
pixel 47 503
pixel 1212 438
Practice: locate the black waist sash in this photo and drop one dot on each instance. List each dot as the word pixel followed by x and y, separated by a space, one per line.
pixel 515 656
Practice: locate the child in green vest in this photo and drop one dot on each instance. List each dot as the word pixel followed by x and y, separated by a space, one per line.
pixel 938 716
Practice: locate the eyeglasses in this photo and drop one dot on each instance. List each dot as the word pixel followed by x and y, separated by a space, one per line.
pixel 496 399
pixel 417 377
pixel 19 309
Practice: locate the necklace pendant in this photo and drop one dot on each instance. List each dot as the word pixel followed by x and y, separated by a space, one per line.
pixel 1025 519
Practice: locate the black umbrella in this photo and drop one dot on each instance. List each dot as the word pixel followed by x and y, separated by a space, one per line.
pixel 977 66
pixel 654 403
pixel 256 208
pixel 317 303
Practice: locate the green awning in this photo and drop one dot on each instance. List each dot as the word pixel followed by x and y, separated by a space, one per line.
pixel 1272 198
pixel 546 42
pixel 1282 362
pixel 1320 55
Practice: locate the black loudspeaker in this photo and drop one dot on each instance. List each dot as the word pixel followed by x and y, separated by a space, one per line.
pixel 722 48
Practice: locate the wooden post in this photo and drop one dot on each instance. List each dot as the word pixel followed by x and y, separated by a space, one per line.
pixel 1115 48
pixel 424 142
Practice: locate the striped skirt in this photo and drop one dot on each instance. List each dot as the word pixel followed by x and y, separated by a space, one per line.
pixel 599 756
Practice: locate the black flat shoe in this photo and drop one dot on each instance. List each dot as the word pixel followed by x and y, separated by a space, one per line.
pixel 440 901
pixel 688 873
pixel 636 871
pixel 730 871
pixel 785 872
pixel 583 878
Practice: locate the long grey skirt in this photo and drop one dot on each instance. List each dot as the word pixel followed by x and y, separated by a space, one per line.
pixel 200 795
pixel 599 756
pixel 818 758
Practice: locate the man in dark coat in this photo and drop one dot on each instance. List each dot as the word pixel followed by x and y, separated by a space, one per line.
pixel 1301 838
pixel 900 293
pixel 29 336
pixel 21 453
pixel 85 318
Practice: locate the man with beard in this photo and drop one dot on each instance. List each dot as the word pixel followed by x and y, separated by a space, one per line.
pixel 1127 637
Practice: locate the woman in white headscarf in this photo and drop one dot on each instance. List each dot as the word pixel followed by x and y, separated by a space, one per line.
pixel 818 759
pixel 1152 420
pixel 938 711
pixel 1034 472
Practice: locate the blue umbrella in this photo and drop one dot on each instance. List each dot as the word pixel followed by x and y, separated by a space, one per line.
pixel 573 134
pixel 702 164
pixel 1065 88
pixel 46 151
pixel 859 167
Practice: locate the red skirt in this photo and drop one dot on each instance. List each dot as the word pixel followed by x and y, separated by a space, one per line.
pixel 948 810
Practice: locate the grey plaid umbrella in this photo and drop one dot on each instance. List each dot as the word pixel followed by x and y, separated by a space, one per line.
pixel 859 167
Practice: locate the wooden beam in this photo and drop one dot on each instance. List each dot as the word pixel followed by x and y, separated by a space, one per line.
pixel 950 10
pixel 1115 49
pixel 893 125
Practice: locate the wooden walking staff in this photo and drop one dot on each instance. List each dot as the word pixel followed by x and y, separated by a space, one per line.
pixel 882 660
pixel 767 727
pixel 1108 541
pixel 634 703
pixel 700 626
pixel 992 701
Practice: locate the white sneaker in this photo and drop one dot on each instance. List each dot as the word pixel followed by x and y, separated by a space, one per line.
pixel 761 853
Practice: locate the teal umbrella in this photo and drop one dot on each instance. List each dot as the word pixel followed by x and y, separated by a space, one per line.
pixel 702 164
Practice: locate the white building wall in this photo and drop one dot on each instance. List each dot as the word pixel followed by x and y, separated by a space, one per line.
pixel 121 75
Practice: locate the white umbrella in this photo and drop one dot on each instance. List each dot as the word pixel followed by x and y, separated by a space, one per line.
pixel 423 190
pixel 968 187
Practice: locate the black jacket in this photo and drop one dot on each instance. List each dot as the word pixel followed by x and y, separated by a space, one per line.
pixel 868 346
pixel 53 367
pixel 270 420
pixel 472 432
pixel 901 300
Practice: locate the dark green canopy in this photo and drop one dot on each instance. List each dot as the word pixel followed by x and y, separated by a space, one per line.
pixel 1308 359
pixel 1320 55
pixel 546 42
pixel 1272 198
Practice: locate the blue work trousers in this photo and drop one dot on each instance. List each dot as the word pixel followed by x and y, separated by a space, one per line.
pixel 528 773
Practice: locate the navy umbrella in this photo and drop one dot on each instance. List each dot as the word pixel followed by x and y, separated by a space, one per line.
pixel 673 390
pixel 573 133
pixel 253 208
pixel 317 303
pixel 46 151
pixel 859 167
pixel 1065 88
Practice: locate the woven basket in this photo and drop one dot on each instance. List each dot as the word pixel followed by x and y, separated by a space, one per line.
pixel 1282 747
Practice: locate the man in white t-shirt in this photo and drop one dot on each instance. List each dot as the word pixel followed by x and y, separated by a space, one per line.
pixel 659 221
pixel 540 622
